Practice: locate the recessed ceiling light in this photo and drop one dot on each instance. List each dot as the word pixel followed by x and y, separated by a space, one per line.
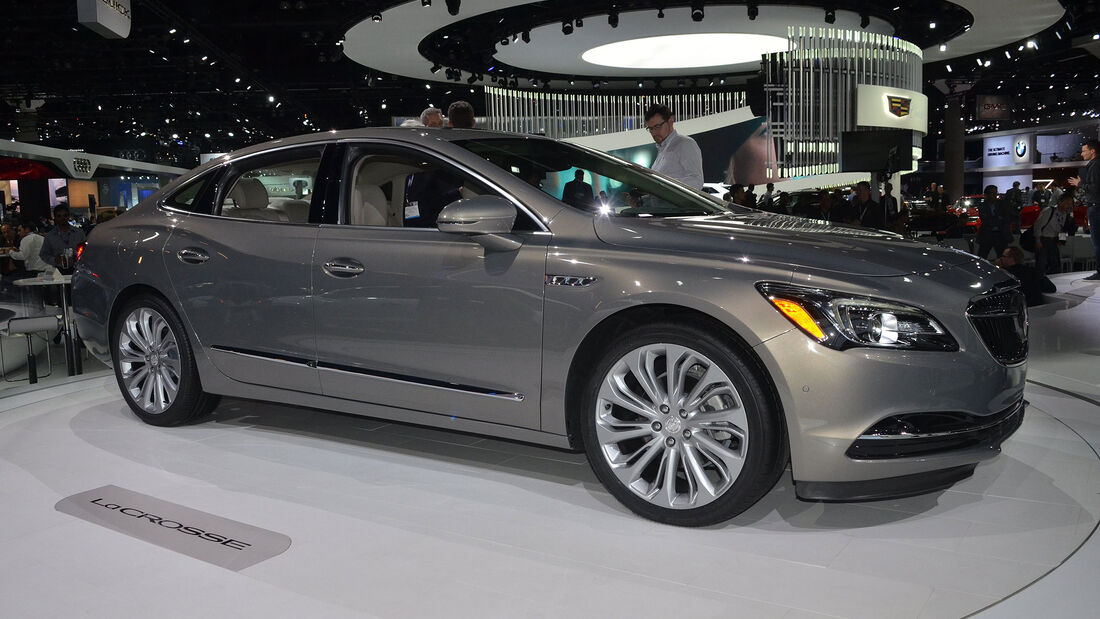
pixel 684 51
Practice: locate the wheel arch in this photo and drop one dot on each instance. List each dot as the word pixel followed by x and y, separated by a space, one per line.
pixel 587 355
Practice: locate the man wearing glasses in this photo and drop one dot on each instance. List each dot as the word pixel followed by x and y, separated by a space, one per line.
pixel 678 156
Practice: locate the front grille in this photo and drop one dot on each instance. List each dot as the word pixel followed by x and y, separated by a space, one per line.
pixel 1001 321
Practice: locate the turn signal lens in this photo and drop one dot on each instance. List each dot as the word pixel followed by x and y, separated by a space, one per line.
pixel 799 317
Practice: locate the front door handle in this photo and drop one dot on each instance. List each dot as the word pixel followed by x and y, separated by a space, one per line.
pixel 343 267
pixel 191 255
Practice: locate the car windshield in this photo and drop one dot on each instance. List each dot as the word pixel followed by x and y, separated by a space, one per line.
pixel 593 181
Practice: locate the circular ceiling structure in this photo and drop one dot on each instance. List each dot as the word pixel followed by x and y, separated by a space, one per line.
pixel 552 43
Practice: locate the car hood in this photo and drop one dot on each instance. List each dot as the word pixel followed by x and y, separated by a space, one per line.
pixel 782 240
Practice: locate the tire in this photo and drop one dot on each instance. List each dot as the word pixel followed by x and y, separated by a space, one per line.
pixel 155 366
pixel 698 457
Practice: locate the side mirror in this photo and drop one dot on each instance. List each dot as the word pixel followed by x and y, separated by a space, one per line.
pixel 488 219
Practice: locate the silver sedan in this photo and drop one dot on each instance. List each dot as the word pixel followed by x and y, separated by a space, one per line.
pixel 535 290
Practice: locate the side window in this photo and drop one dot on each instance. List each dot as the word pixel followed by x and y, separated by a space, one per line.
pixel 403 189
pixel 273 187
pixel 189 196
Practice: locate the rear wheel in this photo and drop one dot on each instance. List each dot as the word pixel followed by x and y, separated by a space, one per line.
pixel 155 366
pixel 682 429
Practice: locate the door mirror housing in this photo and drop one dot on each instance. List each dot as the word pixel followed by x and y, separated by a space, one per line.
pixel 487 219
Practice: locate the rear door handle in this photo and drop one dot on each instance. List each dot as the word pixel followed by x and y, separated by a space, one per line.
pixel 343 267
pixel 191 255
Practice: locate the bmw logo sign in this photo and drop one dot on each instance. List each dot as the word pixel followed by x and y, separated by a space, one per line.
pixel 1021 148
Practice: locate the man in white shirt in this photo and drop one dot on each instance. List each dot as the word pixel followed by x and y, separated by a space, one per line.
pixel 30 245
pixel 678 156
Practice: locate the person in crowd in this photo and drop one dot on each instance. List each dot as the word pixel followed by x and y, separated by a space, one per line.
pixel 60 243
pixel 943 197
pixel 766 200
pixel 9 241
pixel 783 203
pixel 736 195
pixel 29 252
pixel 1014 200
pixel 996 230
pixel 893 215
pixel 932 195
pixel 432 117
pixel 577 192
pixel 460 115
pixel 1040 196
pixel 831 208
pixel 603 198
pixel 750 197
pixel 678 156
pixel 1056 192
pixel 1053 221
pixel 1032 283
pixel 1087 183
pixel 865 211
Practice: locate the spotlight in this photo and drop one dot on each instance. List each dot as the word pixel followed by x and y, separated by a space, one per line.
pixel 526 36
pixel 567 27
pixel 425 2
pixel 660 13
pixel 580 22
pixel 640 84
pixel 864 20
pixel 830 16
pixel 504 41
pixel 696 11
pixel 453 6
pixel 754 11
pixel 613 19
pixel 436 67
pixel 377 17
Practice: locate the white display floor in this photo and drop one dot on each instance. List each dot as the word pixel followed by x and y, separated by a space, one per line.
pixel 397 521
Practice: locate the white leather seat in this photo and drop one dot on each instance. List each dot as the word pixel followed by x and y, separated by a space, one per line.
pixel 369 206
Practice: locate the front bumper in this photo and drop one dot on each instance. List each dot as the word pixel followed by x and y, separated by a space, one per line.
pixel 983 440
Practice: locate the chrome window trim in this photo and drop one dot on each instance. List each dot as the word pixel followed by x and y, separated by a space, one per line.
pixel 222 165
pixel 448 160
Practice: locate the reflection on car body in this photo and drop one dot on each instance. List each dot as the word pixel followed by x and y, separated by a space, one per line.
pixel 691 349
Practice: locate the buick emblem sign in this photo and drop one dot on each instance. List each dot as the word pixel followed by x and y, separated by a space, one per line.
pixel 899 106
pixel 1021 148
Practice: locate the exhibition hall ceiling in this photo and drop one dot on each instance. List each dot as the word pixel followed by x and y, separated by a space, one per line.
pixel 211 76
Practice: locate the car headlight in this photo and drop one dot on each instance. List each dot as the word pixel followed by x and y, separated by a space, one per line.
pixel 841 321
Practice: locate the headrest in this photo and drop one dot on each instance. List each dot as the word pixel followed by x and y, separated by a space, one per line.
pixel 249 193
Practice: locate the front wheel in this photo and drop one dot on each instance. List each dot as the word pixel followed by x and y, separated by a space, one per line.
pixel 155 366
pixel 682 429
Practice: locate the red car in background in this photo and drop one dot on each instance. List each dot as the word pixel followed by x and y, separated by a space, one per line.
pixel 966 209
pixel 1030 213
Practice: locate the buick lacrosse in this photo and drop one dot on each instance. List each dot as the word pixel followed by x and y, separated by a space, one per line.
pixel 449 278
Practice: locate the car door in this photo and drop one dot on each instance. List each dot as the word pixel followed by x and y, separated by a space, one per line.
pixel 412 317
pixel 242 272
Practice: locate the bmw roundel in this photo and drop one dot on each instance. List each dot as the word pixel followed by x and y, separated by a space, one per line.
pixel 1021 148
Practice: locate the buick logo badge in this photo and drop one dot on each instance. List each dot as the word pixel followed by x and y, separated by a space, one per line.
pixel 899 106
pixel 1021 148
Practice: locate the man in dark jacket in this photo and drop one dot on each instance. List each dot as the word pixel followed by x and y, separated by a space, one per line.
pixel 1088 185
pixel 1032 283
pixel 867 212
pixel 996 230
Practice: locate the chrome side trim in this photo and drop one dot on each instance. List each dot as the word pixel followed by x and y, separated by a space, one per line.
pixel 265 356
pixel 575 281
pixel 423 382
